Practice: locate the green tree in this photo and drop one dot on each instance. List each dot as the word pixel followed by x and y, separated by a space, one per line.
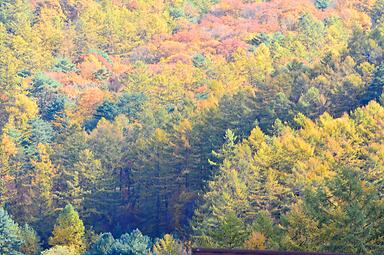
pixel 51 103
pixel 88 174
pixel 377 11
pixel 69 230
pixel 108 146
pixel 156 180
pixel 64 65
pixel 31 241
pixel 67 148
pixel 272 173
pixel 199 60
pixel 42 83
pixel 108 110
pixel 265 225
pixel 312 32
pixel 226 149
pixel 310 103
pixel 134 243
pixel 10 239
pixel 230 232
pixel 42 180
pixel 346 214
pixel 102 246
pixel 375 89
pixel 322 4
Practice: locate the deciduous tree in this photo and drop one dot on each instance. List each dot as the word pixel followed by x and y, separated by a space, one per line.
pixel 69 230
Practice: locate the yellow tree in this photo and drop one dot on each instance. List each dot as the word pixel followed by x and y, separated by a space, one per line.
pixel 42 179
pixel 272 173
pixel 169 246
pixel 9 66
pixel 257 66
pixel 69 230
pixel 50 26
pixel 15 132
pixel 7 150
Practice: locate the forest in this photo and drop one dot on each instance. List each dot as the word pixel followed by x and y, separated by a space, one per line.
pixel 147 127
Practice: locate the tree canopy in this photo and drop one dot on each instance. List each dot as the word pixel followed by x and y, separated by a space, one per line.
pixel 146 126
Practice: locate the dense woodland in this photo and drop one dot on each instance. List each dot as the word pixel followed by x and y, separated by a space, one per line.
pixel 134 127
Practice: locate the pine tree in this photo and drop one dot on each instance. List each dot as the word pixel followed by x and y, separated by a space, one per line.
pixel 346 214
pixel 266 231
pixel 102 246
pixel 10 239
pixel 322 4
pixel 108 147
pixel 7 149
pixel 31 241
pixel 69 144
pixel 312 31
pixel 377 11
pixel 23 110
pixel 230 232
pixel 69 230
pixel 375 89
pixel 134 243
pixel 42 180
pixel 168 245
pixel 88 184
pixel 226 150
pixel 156 181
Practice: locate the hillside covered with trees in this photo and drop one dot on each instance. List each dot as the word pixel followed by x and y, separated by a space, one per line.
pixel 134 127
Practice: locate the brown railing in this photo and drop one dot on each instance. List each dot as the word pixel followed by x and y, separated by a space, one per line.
pixel 204 251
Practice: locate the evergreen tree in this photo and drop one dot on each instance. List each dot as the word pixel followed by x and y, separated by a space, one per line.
pixel 131 104
pixel 156 181
pixel 42 84
pixel 69 230
pixel 377 11
pixel 134 243
pixel 226 149
pixel 344 215
pixel 230 232
pixel 107 110
pixel 42 180
pixel 41 132
pixel 168 245
pixel 67 148
pixel 199 60
pixel 6 176
pixel 102 246
pixel 267 231
pixel 108 147
pixel 31 241
pixel 312 31
pixel 322 4
pixel 64 65
pixel 375 89
pixel 10 239
pixel 88 185
pixel 272 173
